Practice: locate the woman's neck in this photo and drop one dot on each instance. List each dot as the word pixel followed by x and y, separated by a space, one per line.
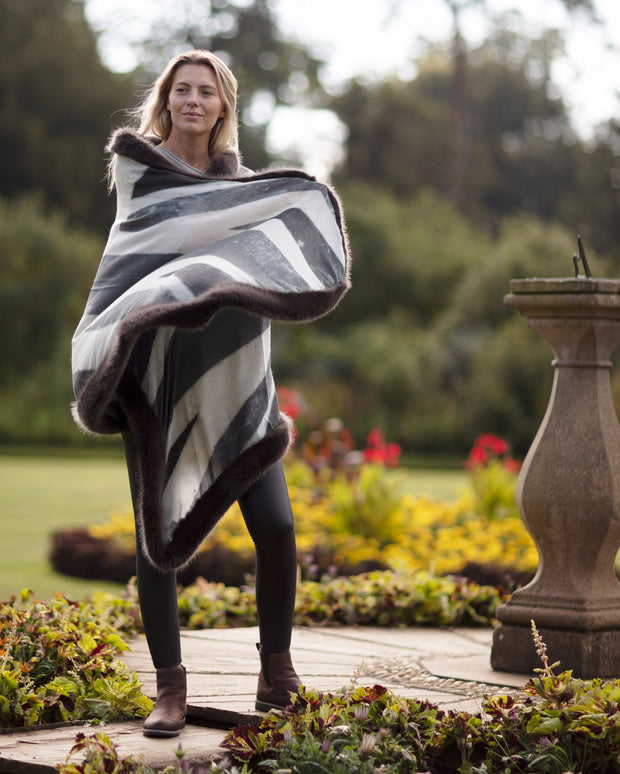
pixel 193 151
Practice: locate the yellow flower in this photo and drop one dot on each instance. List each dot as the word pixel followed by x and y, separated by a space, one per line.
pixel 372 519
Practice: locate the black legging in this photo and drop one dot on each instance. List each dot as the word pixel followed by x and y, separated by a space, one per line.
pixel 267 513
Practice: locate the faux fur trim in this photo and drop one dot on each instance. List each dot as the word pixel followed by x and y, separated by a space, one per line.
pixel 111 385
pixel 247 468
pixel 143 149
pixel 298 307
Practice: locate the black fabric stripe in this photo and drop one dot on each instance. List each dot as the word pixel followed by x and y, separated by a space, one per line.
pixel 204 201
pixel 130 303
pixel 200 278
pixel 191 354
pixel 317 251
pixel 118 273
pixel 241 429
pixel 156 180
pixel 177 448
pixel 141 354
pixel 255 254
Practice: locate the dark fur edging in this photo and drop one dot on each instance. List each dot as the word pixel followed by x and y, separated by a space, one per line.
pixel 247 468
pixel 110 382
pixel 101 387
pixel 127 142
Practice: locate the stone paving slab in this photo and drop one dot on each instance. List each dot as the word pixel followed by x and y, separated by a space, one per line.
pixel 463 667
pixel 39 752
pixel 448 667
pixel 381 641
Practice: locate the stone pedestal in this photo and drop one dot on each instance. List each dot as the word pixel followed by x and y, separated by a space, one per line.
pixel 568 492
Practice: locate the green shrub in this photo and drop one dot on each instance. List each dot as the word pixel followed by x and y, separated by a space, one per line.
pixel 556 725
pixel 373 599
pixel 46 269
pixel 559 725
pixel 351 521
pixel 59 662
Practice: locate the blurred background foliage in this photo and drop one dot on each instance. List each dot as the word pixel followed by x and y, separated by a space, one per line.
pixel 453 183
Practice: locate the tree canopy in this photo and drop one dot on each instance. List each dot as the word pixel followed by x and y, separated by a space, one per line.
pixel 521 155
pixel 445 199
pixel 57 106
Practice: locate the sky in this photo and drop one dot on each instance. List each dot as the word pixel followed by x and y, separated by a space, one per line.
pixel 361 38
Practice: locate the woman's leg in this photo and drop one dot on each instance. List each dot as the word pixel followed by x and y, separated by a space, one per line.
pixel 157 591
pixel 267 512
pixel 157 595
pixel 266 509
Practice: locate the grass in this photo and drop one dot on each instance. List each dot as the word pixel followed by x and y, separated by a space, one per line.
pixel 39 495
pixel 42 493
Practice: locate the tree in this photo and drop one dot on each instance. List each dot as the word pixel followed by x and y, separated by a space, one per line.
pixel 591 201
pixel 57 106
pixel 523 153
pixel 496 368
pixel 378 359
pixel 459 159
pixel 45 273
pixel 460 113
pixel 408 256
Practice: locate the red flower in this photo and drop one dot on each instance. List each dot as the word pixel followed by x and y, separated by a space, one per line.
pixel 290 402
pixel 512 465
pixel 488 447
pixel 477 457
pixel 492 443
pixel 375 437
pixel 380 452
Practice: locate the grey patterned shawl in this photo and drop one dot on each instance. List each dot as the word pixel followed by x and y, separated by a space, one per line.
pixel 174 341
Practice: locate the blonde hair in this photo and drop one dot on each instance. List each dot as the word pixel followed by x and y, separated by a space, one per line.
pixel 154 118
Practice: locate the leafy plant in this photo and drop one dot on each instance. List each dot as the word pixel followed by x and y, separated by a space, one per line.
pixel 59 662
pixel 373 599
pixel 98 754
pixel 346 521
pixel 493 475
pixel 396 599
pixel 559 724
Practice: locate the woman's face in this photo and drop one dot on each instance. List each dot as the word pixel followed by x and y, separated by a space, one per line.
pixel 194 101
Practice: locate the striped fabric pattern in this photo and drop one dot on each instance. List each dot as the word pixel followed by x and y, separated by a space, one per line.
pixel 174 341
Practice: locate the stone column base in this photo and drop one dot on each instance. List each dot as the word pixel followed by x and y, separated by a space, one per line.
pixel 587 653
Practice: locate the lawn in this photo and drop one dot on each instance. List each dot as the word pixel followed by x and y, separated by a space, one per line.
pixel 40 494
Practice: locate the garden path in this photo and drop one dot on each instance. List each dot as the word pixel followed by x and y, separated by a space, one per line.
pixel 448 667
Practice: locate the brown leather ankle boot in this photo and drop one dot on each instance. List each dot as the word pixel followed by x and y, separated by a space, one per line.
pixel 168 717
pixel 276 680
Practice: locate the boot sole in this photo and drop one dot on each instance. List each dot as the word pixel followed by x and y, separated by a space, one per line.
pixel 161 732
pixel 263 706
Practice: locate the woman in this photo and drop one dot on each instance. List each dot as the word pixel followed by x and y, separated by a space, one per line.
pixel 173 351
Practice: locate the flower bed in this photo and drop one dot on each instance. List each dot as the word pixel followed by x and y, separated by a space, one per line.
pixel 558 724
pixel 59 661
pixel 351 517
